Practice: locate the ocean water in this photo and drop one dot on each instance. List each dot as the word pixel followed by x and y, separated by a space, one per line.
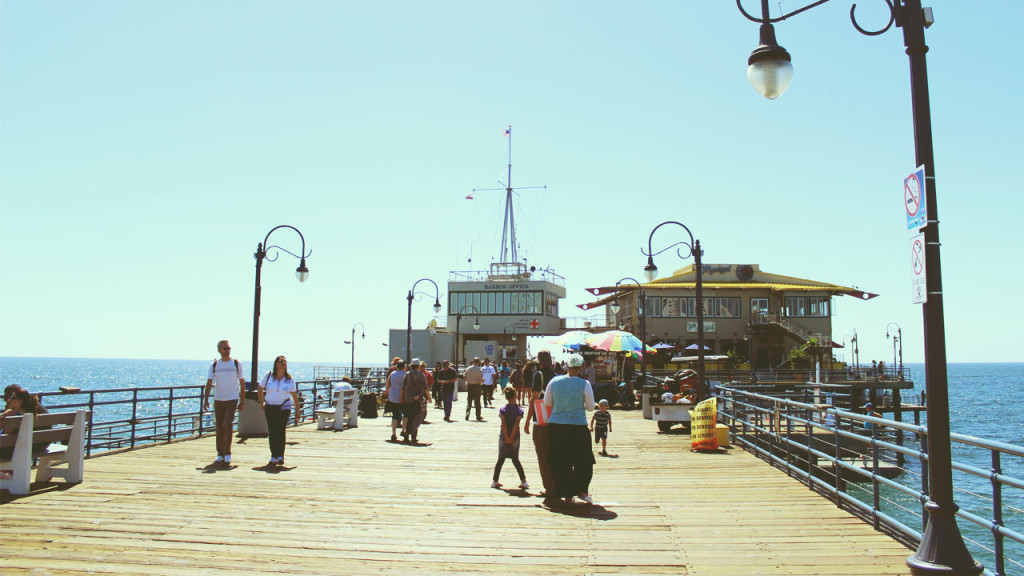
pixel 986 401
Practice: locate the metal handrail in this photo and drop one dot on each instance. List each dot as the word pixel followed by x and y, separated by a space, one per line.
pixel 131 417
pixel 822 448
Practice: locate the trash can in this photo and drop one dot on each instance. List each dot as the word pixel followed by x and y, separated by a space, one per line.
pixel 251 421
pixel 368 405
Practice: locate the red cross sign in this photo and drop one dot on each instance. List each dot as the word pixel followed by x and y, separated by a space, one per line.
pixel 534 324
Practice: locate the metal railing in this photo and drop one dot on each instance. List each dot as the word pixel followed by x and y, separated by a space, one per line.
pixel 877 469
pixel 132 417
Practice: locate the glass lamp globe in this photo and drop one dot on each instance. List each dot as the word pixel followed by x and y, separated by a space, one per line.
pixel 302 273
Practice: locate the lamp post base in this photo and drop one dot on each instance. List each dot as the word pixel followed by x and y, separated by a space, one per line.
pixel 942 549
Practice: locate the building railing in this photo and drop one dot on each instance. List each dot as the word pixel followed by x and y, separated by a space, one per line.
pixel 877 469
pixel 132 417
pixel 791 325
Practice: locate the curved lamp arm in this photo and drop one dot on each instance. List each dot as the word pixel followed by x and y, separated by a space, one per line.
pixel 437 293
pixel 692 247
pixel 263 251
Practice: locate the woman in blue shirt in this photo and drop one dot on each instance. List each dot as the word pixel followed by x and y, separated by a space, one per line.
pixel 570 454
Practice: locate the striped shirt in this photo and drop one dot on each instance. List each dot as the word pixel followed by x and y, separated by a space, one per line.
pixel 602 420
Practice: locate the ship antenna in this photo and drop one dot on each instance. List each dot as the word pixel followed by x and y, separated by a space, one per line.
pixel 508 253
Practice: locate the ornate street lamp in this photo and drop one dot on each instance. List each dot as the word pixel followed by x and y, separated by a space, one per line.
pixel 504 332
pixel 942 549
pixel 897 338
pixel 263 252
pixel 651 272
pixel 642 308
pixel 352 366
pixel 410 297
pixel 458 322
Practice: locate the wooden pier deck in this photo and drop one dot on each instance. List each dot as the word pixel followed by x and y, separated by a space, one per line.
pixel 351 503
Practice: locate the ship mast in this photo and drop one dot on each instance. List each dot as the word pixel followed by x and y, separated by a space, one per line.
pixel 508 256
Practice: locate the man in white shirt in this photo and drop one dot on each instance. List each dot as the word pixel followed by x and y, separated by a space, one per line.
pixel 229 395
pixel 490 379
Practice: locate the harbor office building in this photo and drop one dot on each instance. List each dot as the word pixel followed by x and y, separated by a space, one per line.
pixel 508 302
pixel 757 315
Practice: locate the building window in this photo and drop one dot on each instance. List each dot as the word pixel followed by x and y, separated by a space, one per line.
pixel 818 306
pixel 653 307
pixel 724 308
pixel 670 307
pixel 552 304
pixel 759 308
pixel 795 306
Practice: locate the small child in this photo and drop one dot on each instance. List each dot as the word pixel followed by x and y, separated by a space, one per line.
pixel 601 425
pixel 510 416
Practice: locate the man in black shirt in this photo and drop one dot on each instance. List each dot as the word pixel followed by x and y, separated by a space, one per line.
pixel 447 377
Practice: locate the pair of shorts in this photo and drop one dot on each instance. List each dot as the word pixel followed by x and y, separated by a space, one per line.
pixel 394 408
pixel 600 434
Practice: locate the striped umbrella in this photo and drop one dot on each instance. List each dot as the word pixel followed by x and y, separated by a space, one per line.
pixel 572 339
pixel 617 341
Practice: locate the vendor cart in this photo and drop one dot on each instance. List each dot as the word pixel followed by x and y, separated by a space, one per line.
pixel 668 414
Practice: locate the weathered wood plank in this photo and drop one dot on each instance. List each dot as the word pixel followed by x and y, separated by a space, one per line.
pixel 350 502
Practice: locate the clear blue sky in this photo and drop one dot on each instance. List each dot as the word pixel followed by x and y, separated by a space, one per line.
pixel 147 147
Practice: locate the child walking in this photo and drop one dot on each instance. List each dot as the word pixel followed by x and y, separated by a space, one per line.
pixel 510 416
pixel 601 425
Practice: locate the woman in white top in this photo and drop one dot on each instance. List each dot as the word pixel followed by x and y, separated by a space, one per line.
pixel 277 395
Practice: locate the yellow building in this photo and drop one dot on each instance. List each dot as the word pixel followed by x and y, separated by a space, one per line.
pixel 755 314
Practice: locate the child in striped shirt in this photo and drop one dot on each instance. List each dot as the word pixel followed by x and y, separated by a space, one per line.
pixel 601 425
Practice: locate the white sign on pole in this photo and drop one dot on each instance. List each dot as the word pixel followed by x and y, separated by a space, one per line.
pixel 914 194
pixel 919 282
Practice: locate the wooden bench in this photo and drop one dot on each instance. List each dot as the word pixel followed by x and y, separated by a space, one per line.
pixel 31 436
pixel 346 406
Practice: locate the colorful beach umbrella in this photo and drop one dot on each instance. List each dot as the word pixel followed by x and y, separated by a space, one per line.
pixel 572 339
pixel 617 341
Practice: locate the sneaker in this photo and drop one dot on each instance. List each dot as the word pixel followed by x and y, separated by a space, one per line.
pixel 219 460
pixel 586 498
pixel 227 459
pixel 280 460
pixel 524 485
pixel 273 462
pixel 495 484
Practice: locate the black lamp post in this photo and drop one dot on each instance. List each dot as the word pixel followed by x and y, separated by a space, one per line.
pixel 458 321
pixel 504 332
pixel 897 338
pixel 352 366
pixel 651 272
pixel 302 273
pixel 437 308
pixel 642 308
pixel 942 548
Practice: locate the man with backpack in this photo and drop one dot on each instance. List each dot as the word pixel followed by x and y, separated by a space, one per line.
pixel 228 397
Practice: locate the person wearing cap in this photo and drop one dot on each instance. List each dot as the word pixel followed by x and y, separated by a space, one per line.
pixel 474 376
pixel 415 390
pixel 869 410
pixel 569 453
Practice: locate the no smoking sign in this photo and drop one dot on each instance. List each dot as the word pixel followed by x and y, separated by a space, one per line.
pixel 914 203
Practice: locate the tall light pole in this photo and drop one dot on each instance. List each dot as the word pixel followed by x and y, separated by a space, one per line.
pixel 458 322
pixel 642 308
pixel 897 338
pixel 942 548
pixel 263 252
pixel 352 366
pixel 651 272
pixel 410 297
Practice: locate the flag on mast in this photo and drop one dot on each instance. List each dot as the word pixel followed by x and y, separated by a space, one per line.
pixel 469 196
pixel 507 131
